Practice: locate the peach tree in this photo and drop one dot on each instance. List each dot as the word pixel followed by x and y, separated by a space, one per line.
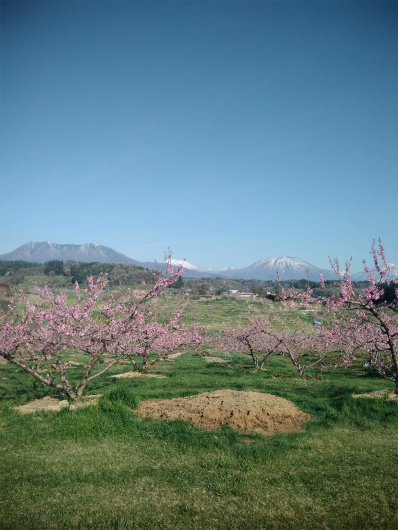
pixel 45 337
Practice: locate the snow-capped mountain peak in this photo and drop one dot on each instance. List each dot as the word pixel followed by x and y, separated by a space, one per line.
pixel 282 262
pixel 184 264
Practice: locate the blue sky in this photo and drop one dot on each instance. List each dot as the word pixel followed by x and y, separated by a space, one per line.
pixel 229 131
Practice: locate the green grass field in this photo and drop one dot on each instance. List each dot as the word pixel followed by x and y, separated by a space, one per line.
pixel 103 468
pixel 228 311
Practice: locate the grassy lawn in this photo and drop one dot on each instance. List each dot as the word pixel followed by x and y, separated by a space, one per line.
pixel 103 468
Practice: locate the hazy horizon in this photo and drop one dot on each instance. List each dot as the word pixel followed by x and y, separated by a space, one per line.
pixel 177 261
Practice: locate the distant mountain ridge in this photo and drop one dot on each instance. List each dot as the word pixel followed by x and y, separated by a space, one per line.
pixel 47 251
pixel 266 269
pixel 288 268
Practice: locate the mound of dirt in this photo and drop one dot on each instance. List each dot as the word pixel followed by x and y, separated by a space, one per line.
pixel 174 355
pixel 55 403
pixel 46 403
pixel 387 395
pixel 132 375
pixel 250 411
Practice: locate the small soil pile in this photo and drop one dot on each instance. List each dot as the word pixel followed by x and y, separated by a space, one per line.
pixel 55 403
pixel 250 411
pixel 174 355
pixel 133 375
pixel 387 394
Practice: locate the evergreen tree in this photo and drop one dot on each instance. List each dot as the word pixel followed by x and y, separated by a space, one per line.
pixel 55 266
pixel 178 284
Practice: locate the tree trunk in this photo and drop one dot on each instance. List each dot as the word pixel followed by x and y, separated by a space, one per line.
pixel 265 359
pixel 255 361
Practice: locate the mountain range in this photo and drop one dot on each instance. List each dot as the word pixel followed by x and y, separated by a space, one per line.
pixel 265 269
pixel 47 251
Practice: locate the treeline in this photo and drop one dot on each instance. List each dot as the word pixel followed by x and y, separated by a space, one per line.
pixel 15 272
pixel 76 270
pixel 13 266
pixel 118 274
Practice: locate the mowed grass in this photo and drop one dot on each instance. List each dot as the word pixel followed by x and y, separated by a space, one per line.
pixel 105 468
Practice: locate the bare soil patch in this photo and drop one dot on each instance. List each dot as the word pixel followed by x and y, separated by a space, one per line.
pixel 132 375
pixel 386 394
pixel 215 360
pixel 250 411
pixel 175 355
pixel 55 403
pixel 120 361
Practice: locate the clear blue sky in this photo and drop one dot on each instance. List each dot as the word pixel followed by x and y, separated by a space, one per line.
pixel 229 131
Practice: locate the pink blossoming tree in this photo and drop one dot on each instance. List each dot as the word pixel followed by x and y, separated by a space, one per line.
pixel 357 321
pixel 253 339
pixel 159 340
pixel 362 320
pixel 44 338
pixel 305 345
